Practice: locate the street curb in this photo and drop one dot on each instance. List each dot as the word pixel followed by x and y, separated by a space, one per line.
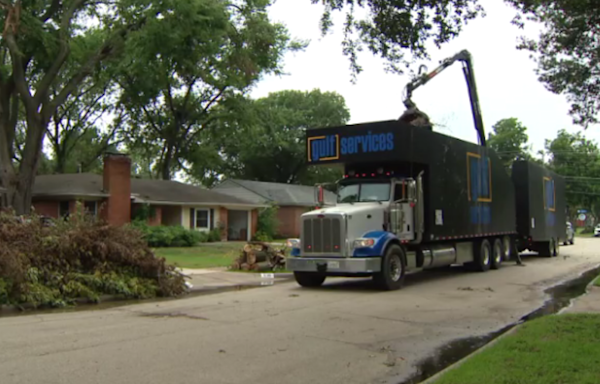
pixel 438 375
pixel 588 288
pixel 79 303
pixel 86 303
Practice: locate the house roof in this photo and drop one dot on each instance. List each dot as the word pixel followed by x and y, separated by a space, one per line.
pixel 142 190
pixel 279 193
pixel 176 192
pixel 69 184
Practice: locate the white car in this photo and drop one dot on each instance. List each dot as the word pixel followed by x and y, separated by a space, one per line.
pixel 597 230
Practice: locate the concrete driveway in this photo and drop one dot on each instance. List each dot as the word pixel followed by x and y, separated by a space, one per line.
pixel 345 332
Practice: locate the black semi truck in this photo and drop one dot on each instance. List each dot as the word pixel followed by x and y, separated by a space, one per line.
pixel 413 199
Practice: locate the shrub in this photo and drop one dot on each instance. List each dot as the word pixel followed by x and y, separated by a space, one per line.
pixel 267 224
pixel 54 265
pixel 261 236
pixel 214 235
pixel 587 230
pixel 169 236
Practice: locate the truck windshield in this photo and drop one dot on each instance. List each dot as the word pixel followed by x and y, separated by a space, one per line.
pixel 364 192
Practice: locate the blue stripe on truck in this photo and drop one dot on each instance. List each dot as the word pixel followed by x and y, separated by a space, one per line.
pixel 381 238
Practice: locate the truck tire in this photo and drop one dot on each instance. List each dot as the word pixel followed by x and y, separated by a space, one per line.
pixel 309 279
pixel 546 248
pixel 483 256
pixel 393 269
pixel 508 248
pixel 497 254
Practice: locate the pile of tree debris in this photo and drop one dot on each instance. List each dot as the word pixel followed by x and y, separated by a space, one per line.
pixel 259 256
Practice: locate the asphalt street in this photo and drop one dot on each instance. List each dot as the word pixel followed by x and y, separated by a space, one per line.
pixel 345 332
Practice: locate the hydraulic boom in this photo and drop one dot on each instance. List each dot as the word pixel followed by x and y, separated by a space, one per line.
pixel 465 58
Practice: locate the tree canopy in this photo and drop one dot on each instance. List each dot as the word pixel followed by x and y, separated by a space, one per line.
pixel 172 60
pixel 567 51
pixel 509 140
pixel 169 81
pixel 266 140
pixel 578 160
pixel 173 79
pixel 398 30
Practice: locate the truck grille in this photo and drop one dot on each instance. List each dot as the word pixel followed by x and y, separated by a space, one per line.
pixel 322 235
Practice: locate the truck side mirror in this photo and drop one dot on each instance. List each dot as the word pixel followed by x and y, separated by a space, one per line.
pixel 320 195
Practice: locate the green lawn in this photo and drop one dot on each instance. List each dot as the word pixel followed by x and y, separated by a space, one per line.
pixel 558 349
pixel 207 255
pixel 579 234
pixel 597 281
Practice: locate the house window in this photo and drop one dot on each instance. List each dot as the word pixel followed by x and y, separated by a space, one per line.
pixel 202 218
pixel 199 218
pixel 90 207
pixel 63 209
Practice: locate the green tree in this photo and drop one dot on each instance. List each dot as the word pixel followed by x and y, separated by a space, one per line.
pixel 578 160
pixel 266 140
pixel 509 140
pixel 176 75
pixel 398 30
pixel 567 51
pixel 49 48
pixel 76 133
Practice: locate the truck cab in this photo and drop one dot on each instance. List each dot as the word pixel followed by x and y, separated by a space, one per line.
pixel 373 211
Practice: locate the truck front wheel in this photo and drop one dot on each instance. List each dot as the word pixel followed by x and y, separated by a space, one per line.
pixel 309 279
pixel 393 269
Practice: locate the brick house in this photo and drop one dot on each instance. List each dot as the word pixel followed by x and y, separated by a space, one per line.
pixel 116 197
pixel 293 200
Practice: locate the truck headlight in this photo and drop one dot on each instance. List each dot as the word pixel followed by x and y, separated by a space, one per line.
pixel 363 243
pixel 293 243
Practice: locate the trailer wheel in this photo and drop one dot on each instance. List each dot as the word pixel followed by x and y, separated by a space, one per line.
pixel 393 269
pixel 309 279
pixel 497 254
pixel 546 248
pixel 483 256
pixel 507 248
pixel 555 248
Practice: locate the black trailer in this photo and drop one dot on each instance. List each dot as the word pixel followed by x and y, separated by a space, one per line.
pixel 468 192
pixel 540 208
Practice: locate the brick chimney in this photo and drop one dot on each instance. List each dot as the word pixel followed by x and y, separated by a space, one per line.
pixel 117 183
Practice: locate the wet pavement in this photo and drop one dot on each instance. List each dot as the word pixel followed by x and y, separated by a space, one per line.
pixel 566 295
pixel 345 332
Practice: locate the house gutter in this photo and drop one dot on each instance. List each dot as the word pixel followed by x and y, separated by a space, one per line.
pixel 197 204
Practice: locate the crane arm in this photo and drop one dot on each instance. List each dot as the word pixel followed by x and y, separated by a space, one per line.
pixel 465 58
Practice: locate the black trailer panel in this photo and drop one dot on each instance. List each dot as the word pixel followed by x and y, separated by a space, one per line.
pixel 540 201
pixel 468 192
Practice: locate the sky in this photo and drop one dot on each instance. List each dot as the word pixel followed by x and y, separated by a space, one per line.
pixel 506 81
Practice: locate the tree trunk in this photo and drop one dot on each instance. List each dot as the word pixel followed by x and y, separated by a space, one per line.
pixel 166 163
pixel 20 186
